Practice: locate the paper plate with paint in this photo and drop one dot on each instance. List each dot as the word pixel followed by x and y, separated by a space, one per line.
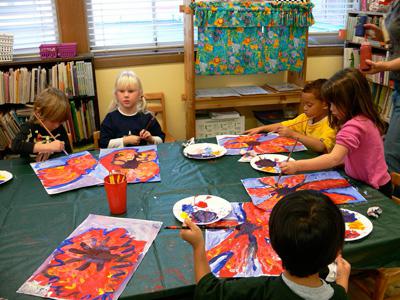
pixel 204 151
pixel 358 226
pixel 202 209
pixel 268 162
pixel 5 176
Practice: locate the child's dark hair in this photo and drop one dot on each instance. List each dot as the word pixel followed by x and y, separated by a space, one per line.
pixel 314 87
pixel 306 231
pixel 350 92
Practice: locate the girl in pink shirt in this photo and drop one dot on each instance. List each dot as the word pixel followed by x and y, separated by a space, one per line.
pixel 359 142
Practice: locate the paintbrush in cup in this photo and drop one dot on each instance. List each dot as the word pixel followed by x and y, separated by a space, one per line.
pixel 290 154
pixel 48 131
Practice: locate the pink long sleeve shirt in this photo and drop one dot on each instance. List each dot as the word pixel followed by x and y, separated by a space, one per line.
pixel 365 160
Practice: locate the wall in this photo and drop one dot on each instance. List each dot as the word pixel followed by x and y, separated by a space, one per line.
pixel 169 78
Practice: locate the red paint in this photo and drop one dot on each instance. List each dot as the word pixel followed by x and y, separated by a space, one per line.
pixel 201 204
pixel 351 234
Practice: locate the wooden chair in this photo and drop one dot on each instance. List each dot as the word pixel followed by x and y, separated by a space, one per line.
pixel 383 277
pixel 155 104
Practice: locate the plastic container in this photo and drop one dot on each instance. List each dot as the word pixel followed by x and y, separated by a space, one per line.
pixel 67 50
pixel 365 53
pixel 6 47
pixel 48 51
pixel 115 186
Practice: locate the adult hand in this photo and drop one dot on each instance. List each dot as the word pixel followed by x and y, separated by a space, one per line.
pixel 375 67
pixel 378 34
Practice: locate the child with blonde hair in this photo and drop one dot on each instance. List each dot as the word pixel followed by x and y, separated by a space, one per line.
pixel 52 107
pixel 128 122
pixel 311 127
pixel 359 143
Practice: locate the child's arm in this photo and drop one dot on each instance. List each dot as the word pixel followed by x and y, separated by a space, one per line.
pixel 194 236
pixel 21 143
pixel 343 272
pixel 326 161
pixel 310 142
pixel 265 128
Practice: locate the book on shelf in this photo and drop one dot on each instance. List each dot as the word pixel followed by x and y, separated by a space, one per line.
pixel 81 121
pixel 382 97
pixel 285 87
pixel 21 85
pixel 352 22
pixel 250 90
pixel 10 125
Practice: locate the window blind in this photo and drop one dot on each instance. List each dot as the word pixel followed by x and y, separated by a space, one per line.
pixel 139 24
pixel 330 15
pixel 32 22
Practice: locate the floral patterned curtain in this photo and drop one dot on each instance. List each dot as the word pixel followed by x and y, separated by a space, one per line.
pixel 250 37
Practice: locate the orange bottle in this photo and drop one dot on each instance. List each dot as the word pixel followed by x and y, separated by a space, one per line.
pixel 365 53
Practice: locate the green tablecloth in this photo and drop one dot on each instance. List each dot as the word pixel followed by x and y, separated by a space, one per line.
pixel 33 223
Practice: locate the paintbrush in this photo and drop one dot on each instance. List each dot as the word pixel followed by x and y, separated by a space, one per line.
pixel 290 154
pixel 203 227
pixel 48 131
pixel 306 120
pixel 151 121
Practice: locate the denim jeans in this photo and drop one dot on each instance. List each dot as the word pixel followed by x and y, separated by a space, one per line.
pixel 392 140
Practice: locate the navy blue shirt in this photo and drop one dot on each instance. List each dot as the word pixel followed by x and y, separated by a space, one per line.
pixel 117 125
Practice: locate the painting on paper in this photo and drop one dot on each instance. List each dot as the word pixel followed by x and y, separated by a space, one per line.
pixel 259 143
pixel 96 261
pixel 69 172
pixel 245 250
pixel 139 164
pixel 265 192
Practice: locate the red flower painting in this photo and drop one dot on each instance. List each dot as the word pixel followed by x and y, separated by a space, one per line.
pixel 96 261
pixel 246 250
pixel 260 143
pixel 265 192
pixel 139 164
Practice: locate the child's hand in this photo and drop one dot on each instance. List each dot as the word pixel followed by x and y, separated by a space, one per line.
pixel 343 271
pixel 146 135
pixel 193 236
pixel 254 130
pixel 285 131
pixel 288 167
pixel 55 146
pixel 131 140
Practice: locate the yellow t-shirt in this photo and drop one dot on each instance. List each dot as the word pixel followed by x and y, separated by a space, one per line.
pixel 320 130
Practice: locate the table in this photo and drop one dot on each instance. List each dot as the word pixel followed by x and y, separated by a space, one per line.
pixel 33 223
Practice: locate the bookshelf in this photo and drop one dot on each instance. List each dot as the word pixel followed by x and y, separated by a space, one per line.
pixel 22 79
pixel 194 104
pixel 381 86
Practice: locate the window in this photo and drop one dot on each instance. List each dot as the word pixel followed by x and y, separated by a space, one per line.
pixel 32 22
pixel 140 24
pixel 330 16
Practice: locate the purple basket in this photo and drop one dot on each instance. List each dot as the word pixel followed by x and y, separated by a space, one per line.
pixel 48 51
pixel 67 50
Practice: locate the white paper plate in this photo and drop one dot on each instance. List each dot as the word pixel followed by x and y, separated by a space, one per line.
pixel 358 226
pixel 269 161
pixel 202 209
pixel 5 176
pixel 204 151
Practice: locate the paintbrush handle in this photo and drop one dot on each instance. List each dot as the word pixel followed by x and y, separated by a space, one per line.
pixel 48 131
pixel 151 121
pixel 290 154
pixel 200 226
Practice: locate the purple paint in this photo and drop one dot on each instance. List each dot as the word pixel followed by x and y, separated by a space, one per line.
pixel 348 216
pixel 265 163
pixel 203 216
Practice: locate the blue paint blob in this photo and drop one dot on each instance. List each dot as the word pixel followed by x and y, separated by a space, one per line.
pixel 187 208
pixel 349 217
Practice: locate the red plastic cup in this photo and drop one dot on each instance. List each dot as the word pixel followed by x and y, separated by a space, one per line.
pixel 115 186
